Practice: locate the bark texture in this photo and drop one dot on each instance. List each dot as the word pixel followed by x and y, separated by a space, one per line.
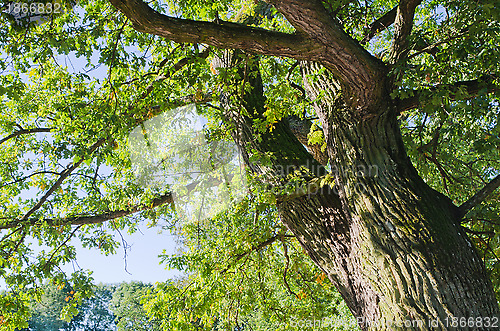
pixel 391 244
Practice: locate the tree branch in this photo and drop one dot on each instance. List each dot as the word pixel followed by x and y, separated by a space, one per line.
pixel 359 72
pixel 432 49
pixel 80 220
pixel 287 263
pixel 258 247
pixel 62 176
pixel 380 24
pixel 323 41
pixel 49 260
pixel 472 87
pixel 292 84
pixel 479 196
pixel 24 131
pixel 403 25
pixel 176 67
pixel 28 176
pixel 221 34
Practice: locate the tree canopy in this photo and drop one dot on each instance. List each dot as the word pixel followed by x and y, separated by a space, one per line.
pixel 75 84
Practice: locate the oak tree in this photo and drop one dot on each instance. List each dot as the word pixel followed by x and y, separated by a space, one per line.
pixel 368 129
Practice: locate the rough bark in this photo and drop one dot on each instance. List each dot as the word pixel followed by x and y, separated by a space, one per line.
pixel 391 244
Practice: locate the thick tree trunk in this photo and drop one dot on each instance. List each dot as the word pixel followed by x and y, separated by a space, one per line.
pixel 392 245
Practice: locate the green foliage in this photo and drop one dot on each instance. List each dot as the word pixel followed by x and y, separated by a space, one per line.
pixel 244 270
pixel 86 76
pixel 49 310
pixel 112 307
pixel 127 305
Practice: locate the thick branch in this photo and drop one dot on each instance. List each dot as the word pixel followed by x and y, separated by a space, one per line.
pixel 403 26
pixel 80 220
pixel 23 131
pixel 325 42
pixel 479 196
pixel 223 35
pixel 471 87
pixel 380 24
pixel 361 74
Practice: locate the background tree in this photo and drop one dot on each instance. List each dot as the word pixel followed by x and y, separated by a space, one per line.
pixel 403 99
pixel 128 307
pixel 93 314
pixel 46 313
pixel 96 313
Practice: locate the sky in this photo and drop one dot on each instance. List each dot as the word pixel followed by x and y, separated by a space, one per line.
pixel 143 247
pixel 142 262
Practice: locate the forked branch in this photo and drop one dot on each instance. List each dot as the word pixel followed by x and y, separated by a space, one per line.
pixel 62 176
pixel 357 70
pixel 320 38
pixel 220 34
pixel 479 196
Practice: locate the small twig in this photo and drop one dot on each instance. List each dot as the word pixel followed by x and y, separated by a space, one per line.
pixel 113 52
pixel 431 47
pixel 11 233
pixel 488 247
pixel 61 245
pixel 292 84
pixel 285 251
pixel 489 233
pixel 20 241
pixel 467 220
pixel 29 176
pixel 258 247
pixel 126 247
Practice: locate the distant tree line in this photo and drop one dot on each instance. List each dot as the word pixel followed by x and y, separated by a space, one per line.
pixel 113 307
